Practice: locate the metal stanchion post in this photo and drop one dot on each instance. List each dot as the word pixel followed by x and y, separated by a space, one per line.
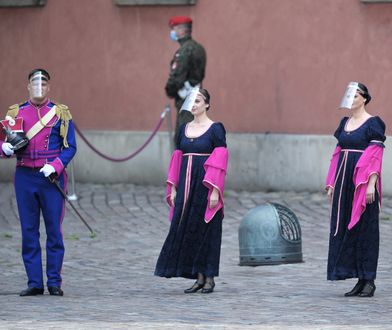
pixel 72 196
pixel 169 126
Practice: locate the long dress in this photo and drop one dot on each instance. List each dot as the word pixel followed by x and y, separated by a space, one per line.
pixel 192 245
pixel 353 253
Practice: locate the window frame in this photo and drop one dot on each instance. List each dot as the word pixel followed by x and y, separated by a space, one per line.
pixel 376 1
pixel 22 3
pixel 154 2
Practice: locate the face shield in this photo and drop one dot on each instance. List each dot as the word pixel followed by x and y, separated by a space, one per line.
pixel 190 99
pixel 36 84
pixel 349 95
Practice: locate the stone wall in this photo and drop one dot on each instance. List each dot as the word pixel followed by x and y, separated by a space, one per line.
pixel 257 161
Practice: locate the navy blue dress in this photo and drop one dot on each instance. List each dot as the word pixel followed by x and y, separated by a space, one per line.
pixel 192 245
pixel 353 253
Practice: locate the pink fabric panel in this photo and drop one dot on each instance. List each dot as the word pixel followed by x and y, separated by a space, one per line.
pixel 58 165
pixel 369 163
pixel 216 168
pixel 30 116
pixel 330 182
pixel 40 140
pixel 173 177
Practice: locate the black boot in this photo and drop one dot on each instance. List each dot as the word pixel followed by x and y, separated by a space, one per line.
pixel 368 290
pixel 55 291
pixel 31 292
pixel 357 289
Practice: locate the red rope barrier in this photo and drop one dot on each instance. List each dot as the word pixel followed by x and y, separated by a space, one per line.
pixel 122 159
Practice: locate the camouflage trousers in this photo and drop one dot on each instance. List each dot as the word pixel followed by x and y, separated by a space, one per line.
pixel 181 118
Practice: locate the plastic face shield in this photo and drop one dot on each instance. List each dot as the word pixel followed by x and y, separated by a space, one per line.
pixel 190 99
pixel 36 84
pixel 349 95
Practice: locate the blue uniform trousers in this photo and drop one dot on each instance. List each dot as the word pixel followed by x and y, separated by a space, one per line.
pixel 35 193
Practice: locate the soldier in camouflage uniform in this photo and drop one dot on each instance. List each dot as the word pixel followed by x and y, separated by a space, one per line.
pixel 187 67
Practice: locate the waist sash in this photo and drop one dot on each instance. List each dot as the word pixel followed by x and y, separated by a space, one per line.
pixel 195 154
pixel 39 154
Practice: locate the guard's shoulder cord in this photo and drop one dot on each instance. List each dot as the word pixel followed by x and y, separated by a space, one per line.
pixel 13 110
pixel 64 115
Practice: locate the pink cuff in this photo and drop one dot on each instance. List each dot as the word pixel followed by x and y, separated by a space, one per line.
pixel 58 165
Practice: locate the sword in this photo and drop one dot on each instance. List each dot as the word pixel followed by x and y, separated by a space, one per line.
pixel 57 184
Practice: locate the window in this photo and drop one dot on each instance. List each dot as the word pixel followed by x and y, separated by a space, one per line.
pixel 153 2
pixel 22 3
pixel 376 1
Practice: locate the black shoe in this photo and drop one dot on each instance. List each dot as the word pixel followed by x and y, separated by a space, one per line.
pixel 194 288
pixel 208 288
pixel 356 290
pixel 368 290
pixel 31 292
pixel 55 291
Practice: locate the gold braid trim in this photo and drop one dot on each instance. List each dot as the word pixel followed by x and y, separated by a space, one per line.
pixel 13 110
pixel 62 112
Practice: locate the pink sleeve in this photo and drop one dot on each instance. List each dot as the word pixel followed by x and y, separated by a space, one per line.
pixel 173 176
pixel 369 163
pixel 330 181
pixel 216 168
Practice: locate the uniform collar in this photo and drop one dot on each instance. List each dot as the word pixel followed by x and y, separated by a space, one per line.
pixel 184 39
pixel 46 102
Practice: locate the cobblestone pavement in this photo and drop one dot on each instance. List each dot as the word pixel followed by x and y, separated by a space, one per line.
pixel 109 282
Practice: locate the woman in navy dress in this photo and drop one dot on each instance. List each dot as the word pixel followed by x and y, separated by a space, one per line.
pixel 192 247
pixel 353 253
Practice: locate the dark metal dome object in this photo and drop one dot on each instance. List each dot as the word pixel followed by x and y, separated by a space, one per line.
pixel 270 234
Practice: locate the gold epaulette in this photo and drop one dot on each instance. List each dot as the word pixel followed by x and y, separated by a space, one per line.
pixel 13 110
pixel 64 115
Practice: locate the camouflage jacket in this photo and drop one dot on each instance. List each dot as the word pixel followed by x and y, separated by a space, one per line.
pixel 188 64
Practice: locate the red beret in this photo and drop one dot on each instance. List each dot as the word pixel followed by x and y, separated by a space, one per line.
pixel 176 20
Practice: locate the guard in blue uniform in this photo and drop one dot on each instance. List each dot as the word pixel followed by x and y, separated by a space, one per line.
pixel 52 145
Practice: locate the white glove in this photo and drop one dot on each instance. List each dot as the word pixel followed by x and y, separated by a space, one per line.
pixel 47 170
pixel 8 149
pixel 184 91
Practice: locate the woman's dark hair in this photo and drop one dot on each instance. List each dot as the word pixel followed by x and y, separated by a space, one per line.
pixel 206 96
pixel 363 90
